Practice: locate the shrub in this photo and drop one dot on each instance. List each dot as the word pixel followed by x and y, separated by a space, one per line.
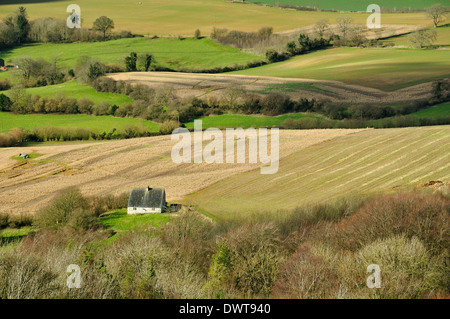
pixel 13 137
pixel 130 62
pixel 144 61
pixel 5 85
pixel 25 277
pixel 302 123
pixel 422 216
pixel 4 220
pixel 124 110
pixel 19 220
pixel 408 269
pixel 168 126
pixel 85 106
pixel 275 104
pixel 103 108
pixel 82 219
pixel 306 276
pixel 88 69
pixel 61 210
pixel 101 204
pixel 133 260
pixel 273 56
pixel 5 103
pixel 247 261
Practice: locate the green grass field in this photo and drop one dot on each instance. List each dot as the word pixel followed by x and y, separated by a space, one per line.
pixel 361 163
pixel 183 17
pixel 385 69
pixel 351 5
pixel 119 221
pixel 434 112
pixel 246 121
pixel 189 53
pixel 95 123
pixel 78 90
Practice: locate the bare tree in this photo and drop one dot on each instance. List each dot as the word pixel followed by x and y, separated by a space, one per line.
pixel 437 12
pixel 344 25
pixel 321 26
pixel 422 38
pixel 26 66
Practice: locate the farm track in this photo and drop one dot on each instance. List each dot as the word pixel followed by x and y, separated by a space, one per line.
pixel 367 162
pixel 115 167
pixel 188 85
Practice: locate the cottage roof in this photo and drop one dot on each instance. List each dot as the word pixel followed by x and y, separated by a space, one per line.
pixel 147 197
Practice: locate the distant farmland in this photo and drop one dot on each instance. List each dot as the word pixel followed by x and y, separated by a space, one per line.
pixel 385 69
pixel 360 163
pixel 114 167
pixel 168 52
pixel 351 5
pixel 183 17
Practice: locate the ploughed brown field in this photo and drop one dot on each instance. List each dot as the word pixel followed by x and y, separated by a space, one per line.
pixel 115 167
pixel 215 85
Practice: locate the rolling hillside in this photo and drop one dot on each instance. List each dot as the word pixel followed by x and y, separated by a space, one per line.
pixel 77 90
pixel 364 162
pixel 183 17
pixel 385 69
pixel 167 52
pixel 114 167
pixel 351 5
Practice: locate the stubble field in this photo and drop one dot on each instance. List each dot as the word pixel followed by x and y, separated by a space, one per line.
pixel 117 167
pixel 363 163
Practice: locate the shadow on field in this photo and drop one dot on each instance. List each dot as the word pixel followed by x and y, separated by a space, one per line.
pixel 9 240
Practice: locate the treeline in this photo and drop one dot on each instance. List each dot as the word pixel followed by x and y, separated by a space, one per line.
pixel 161 105
pixel 17 136
pixel 304 45
pixel 392 122
pixel 17 29
pixel 20 102
pixel 241 39
pixel 51 30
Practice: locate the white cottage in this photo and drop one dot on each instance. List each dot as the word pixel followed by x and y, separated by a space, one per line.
pixel 146 201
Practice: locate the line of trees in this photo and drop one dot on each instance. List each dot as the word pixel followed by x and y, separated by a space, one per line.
pixel 160 104
pixel 20 102
pixel 17 136
pixel 307 123
pixel 17 29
